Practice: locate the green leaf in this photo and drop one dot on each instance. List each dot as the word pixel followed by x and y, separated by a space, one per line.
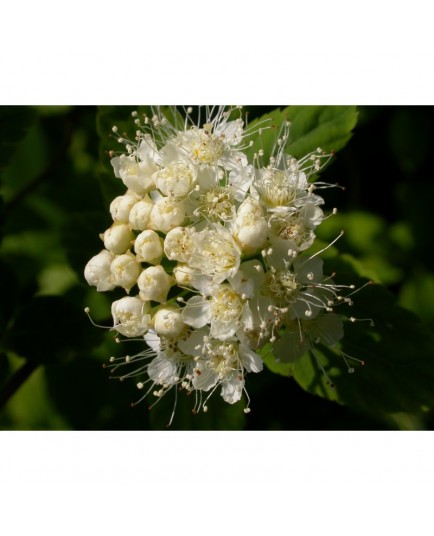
pixel 14 123
pixel 417 295
pixel 328 127
pixel 284 369
pixel 398 352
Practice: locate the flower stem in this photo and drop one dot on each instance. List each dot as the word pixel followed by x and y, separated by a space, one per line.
pixel 16 381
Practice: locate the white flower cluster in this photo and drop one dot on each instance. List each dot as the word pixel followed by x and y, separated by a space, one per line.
pixel 208 247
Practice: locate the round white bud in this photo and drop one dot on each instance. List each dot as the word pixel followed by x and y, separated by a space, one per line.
pixel 97 271
pixel 168 322
pixel 250 227
pixel 166 214
pixel 121 206
pixel 149 247
pixel 118 238
pixel 140 213
pixel 131 316
pixel 125 270
pixel 154 284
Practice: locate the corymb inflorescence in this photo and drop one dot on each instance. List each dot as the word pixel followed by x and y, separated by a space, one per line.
pixel 211 247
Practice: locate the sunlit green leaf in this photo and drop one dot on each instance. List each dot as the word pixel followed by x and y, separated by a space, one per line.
pixel 328 127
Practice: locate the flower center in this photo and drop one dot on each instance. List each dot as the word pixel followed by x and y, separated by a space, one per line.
pixel 226 305
pixel 282 285
pixel 206 147
pixel 216 204
pixel 222 358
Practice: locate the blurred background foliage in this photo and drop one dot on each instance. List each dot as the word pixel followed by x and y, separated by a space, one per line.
pixel 55 191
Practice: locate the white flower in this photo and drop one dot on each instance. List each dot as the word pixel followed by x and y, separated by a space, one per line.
pixel 154 284
pixel 222 363
pixel 125 270
pixel 280 190
pixel 213 145
pixel 97 271
pixel 215 253
pixel 131 316
pixel 149 247
pixel 135 174
pixel 297 227
pixel 296 288
pixel 215 204
pixel 118 238
pixel 225 311
pixel 170 366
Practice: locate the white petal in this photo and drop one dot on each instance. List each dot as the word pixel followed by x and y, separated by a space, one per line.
pixel 250 359
pixel 232 390
pixel 196 312
pixel 206 379
pixel 223 330
pixel 153 340
pixel 189 346
pixel 162 370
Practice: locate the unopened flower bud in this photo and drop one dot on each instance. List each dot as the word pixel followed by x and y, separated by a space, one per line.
pixel 117 238
pixel 125 270
pixel 140 213
pixel 149 247
pixel 121 206
pixel 97 271
pixel 250 226
pixel 167 213
pixel 168 322
pixel 154 284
